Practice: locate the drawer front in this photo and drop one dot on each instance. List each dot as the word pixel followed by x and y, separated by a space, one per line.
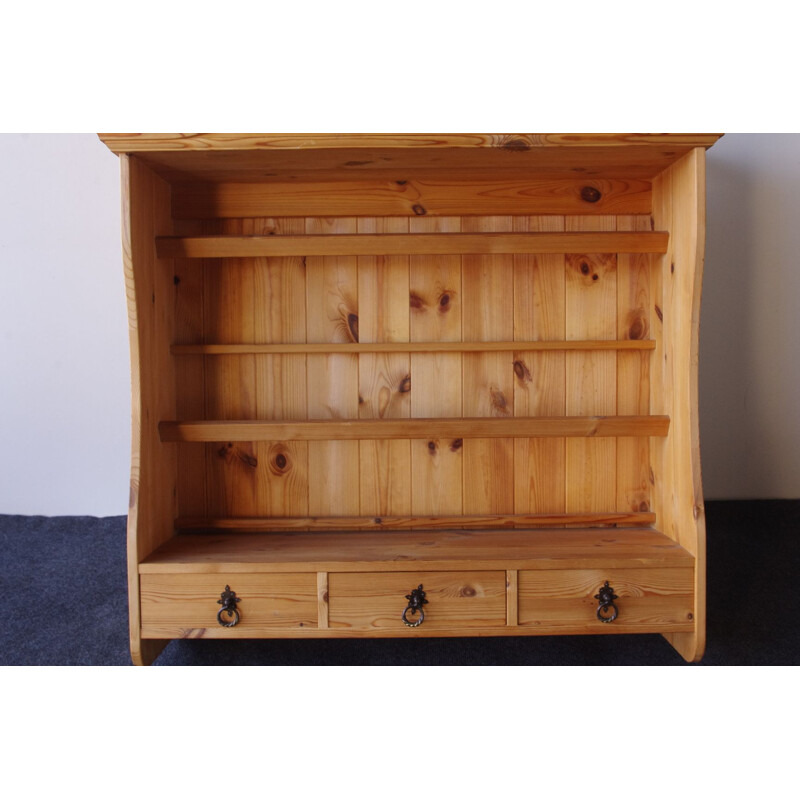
pixel 455 600
pixel 648 600
pixel 187 601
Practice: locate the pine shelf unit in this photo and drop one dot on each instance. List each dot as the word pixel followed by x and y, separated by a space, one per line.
pixel 368 363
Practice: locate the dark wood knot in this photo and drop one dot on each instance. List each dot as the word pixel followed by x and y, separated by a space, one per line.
pixel 590 194
pixel 352 325
pixel 522 372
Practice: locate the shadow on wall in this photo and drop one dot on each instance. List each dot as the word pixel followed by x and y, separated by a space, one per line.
pixel 749 388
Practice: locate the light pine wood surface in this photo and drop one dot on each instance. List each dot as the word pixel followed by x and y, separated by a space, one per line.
pixel 365 362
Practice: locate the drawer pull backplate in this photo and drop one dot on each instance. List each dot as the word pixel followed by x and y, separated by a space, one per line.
pixel 606 611
pixel 228 601
pixel 415 602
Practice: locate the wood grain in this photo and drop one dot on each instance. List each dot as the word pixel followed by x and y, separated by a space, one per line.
pixel 650 600
pixel 190 375
pixel 385 385
pixel 322 600
pixel 511 597
pixel 591 308
pixel 437 550
pixel 279 295
pixel 428 196
pixel 149 288
pixel 440 522
pixel 552 143
pixel 435 309
pixel 389 244
pixel 455 599
pixel 538 375
pixel 229 314
pixel 633 370
pixel 451 429
pixel 412 347
pixel 487 286
pixel 676 463
pixel 186 600
pixel 332 380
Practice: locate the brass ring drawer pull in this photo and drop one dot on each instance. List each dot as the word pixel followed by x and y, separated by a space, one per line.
pixel 415 602
pixel 606 611
pixel 228 601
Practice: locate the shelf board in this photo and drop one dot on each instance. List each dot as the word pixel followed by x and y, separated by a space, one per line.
pixel 408 347
pixel 471 522
pixel 411 551
pixel 410 244
pixel 456 428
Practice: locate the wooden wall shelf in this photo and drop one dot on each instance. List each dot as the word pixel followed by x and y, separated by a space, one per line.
pixel 354 348
pixel 368 362
pixel 419 244
pixel 464 427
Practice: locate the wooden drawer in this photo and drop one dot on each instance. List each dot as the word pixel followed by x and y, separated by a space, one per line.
pixel 649 600
pixel 175 604
pixel 455 600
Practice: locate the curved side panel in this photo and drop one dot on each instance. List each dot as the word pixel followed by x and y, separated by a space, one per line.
pixel 679 207
pixel 149 291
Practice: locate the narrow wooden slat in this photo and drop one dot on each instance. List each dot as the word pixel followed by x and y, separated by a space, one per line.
pixel 354 429
pixel 332 380
pixel 539 384
pixel 441 522
pixel 230 382
pixel 322 600
pixel 552 144
pixel 190 373
pixel 411 244
pixel 409 347
pixel 511 597
pixel 281 393
pixel 406 550
pixel 487 286
pixel 384 378
pixel 591 378
pixel 432 194
pixel 633 370
pixel 435 316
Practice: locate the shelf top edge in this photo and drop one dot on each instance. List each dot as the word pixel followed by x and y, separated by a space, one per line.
pixel 402 550
pixel 513 142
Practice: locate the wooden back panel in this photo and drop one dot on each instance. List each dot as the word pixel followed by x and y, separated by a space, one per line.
pixel 417 298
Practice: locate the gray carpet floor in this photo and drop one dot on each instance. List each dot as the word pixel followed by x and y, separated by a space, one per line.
pixel 64 584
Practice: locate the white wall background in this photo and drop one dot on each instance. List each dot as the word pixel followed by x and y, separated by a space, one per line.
pixel 64 366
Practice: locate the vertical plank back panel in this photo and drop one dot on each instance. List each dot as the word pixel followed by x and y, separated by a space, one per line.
pixel 190 375
pixel 591 377
pixel 281 392
pixel 435 305
pixel 332 380
pixel 232 488
pixel 633 369
pixel 384 378
pixel 488 390
pixel 539 377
